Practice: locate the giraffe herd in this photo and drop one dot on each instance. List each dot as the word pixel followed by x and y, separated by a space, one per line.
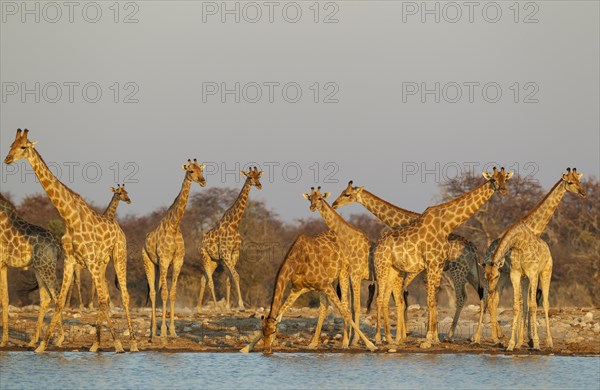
pixel 413 243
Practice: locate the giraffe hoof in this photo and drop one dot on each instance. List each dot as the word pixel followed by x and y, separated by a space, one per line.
pixel 314 345
pixel 173 334
pixel 549 343
pixel 511 346
pixel 31 344
pixel 41 348
pixel 425 344
pixel 94 347
pixel 119 347
pixel 371 347
pixel 134 347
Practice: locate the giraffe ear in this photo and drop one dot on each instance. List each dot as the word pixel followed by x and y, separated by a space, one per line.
pixel 202 166
pixel 184 167
pixel 359 189
pixel 260 174
pixel 32 143
pixel 579 175
pixel 565 177
pixel 486 175
pixel 326 195
pixel 113 189
pixel 244 173
pixel 509 175
pixel 306 196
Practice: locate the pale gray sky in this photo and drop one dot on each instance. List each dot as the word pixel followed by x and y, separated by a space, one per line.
pixel 375 61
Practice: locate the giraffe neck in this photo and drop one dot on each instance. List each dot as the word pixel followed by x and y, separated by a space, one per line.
pixel 335 222
pixel 111 209
pixel 233 215
pixel 457 211
pixel 177 209
pixel 284 275
pixel 540 216
pixel 505 244
pixel 69 204
pixel 389 214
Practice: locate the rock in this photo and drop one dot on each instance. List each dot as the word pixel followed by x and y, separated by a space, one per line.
pixel 596 328
pixel 447 320
pixel 473 308
pixel 414 307
pixel 588 317
pixel 228 337
pixel 337 337
pixel 392 350
pixel 187 329
pixel 76 315
pixel 91 330
pixel 125 333
pixel 186 311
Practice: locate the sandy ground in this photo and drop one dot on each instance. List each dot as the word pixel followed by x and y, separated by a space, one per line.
pixel 576 331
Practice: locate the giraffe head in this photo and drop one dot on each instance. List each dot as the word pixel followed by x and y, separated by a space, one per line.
pixel 20 148
pixel 269 330
pixel 193 171
pixel 572 184
pixel 498 179
pixel 253 177
pixel 315 198
pixel 121 193
pixel 348 196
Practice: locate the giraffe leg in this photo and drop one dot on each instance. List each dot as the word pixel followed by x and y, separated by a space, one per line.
pixel 382 279
pixel 227 293
pixel 323 303
pixel 289 302
pixel 164 295
pixel 78 282
pixel 524 313
pixel 4 303
pixel 44 302
pixel 103 309
pixel 356 281
pixel 93 294
pixel 201 294
pixel 545 277
pixel 477 336
pixel 461 295
pixel 400 305
pixel 150 269
pixel 208 269
pixel 386 308
pixel 407 281
pixel 532 311
pixel 492 306
pixel 515 278
pixel 177 264
pixel 236 278
pixel 434 275
pixel 347 317
pixel 344 284
pixel 57 317
pixel 120 263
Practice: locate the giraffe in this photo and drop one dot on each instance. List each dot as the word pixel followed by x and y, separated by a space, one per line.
pixel 421 245
pixel 354 242
pixel 26 245
pixel 503 281
pixel 313 264
pixel 531 259
pixel 94 240
pixel 462 262
pixel 164 246
pixel 221 244
pixel 119 194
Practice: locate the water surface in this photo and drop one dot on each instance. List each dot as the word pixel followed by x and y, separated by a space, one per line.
pixel 151 370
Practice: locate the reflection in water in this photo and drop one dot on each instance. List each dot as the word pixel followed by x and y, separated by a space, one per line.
pixel 230 370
